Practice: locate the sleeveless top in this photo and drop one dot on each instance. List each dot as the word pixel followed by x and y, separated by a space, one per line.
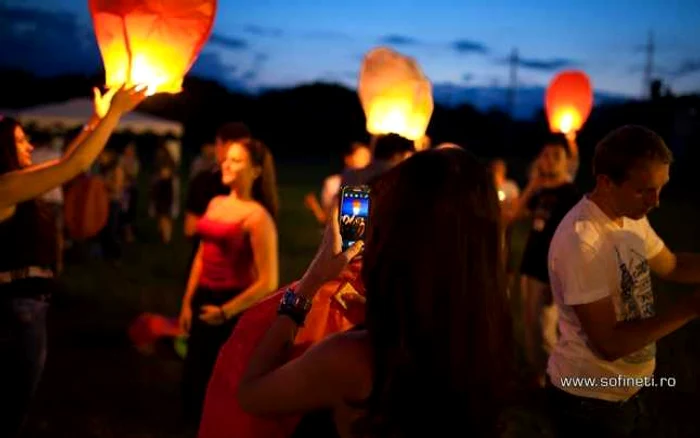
pixel 227 255
pixel 28 238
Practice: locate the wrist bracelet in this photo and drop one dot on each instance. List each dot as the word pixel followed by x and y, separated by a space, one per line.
pixel 294 306
pixel 223 314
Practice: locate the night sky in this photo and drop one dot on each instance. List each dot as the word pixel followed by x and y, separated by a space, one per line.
pixel 271 43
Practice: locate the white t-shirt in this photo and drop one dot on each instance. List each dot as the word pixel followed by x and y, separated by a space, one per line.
pixel 590 258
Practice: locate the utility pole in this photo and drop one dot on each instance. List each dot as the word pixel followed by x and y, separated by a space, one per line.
pixel 513 88
pixel 649 69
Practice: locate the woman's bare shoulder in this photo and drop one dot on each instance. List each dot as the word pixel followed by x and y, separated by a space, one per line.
pixel 348 356
pixel 257 214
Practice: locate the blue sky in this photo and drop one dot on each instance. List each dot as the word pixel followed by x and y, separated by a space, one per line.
pixel 286 42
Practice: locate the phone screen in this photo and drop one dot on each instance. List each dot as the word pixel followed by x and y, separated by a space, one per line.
pixel 354 214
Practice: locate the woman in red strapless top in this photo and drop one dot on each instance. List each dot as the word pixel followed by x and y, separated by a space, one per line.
pixel 235 267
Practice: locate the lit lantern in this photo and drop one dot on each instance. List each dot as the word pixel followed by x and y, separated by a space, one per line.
pixel 568 102
pixel 355 207
pixel 395 94
pixel 151 42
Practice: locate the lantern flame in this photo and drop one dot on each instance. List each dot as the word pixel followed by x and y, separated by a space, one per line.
pixel 501 195
pixel 143 73
pixel 566 120
pixel 394 116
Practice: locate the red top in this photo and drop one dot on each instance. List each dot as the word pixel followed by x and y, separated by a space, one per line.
pixel 227 256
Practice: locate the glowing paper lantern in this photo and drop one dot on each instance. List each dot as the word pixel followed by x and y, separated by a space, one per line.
pixel 151 42
pixel 395 95
pixel 568 101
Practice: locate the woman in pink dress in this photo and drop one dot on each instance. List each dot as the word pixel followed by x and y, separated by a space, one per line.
pixel 236 265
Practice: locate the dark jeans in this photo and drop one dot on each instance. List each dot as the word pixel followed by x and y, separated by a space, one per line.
pixel 203 347
pixel 22 349
pixel 574 416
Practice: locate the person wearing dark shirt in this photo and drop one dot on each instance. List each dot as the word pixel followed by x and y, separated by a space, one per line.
pixel 547 199
pixel 208 184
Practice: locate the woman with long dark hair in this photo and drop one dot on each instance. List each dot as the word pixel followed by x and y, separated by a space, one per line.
pixel 236 265
pixel 27 250
pixel 435 356
pixel 21 181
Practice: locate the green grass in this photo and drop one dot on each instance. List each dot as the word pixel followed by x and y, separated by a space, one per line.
pixel 97 385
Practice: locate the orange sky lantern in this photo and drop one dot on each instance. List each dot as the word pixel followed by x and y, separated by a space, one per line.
pixel 569 101
pixel 355 207
pixel 395 94
pixel 151 42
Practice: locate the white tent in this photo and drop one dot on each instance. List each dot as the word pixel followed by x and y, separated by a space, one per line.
pixel 75 112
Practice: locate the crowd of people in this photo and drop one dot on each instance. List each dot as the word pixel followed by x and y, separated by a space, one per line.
pixel 433 353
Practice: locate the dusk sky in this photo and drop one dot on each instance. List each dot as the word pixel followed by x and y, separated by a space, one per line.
pixel 286 42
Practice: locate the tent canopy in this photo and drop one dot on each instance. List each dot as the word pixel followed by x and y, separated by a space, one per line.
pixel 75 112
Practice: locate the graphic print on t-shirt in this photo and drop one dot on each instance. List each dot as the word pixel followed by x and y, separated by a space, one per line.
pixel 636 298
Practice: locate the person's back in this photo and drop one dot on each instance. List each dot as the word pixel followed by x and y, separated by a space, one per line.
pixel 435 354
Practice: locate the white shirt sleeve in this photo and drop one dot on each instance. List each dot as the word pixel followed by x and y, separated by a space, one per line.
pixel 652 242
pixel 579 273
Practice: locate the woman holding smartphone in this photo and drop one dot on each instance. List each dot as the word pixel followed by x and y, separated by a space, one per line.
pixel 435 355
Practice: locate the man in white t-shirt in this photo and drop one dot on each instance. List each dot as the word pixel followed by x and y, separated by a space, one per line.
pixel 600 261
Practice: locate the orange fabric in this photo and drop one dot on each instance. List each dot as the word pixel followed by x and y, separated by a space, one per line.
pixel 86 206
pixel 222 416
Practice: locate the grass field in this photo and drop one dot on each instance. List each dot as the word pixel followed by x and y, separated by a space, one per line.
pixel 96 385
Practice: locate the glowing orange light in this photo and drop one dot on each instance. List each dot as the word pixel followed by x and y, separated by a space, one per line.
pixel 355 207
pixel 151 42
pixel 568 102
pixel 395 95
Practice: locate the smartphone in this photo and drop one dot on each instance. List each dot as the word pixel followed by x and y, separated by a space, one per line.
pixel 353 215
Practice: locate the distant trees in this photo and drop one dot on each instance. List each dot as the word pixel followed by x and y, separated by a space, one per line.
pixel 315 122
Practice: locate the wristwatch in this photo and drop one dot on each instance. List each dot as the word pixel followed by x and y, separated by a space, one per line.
pixel 294 306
